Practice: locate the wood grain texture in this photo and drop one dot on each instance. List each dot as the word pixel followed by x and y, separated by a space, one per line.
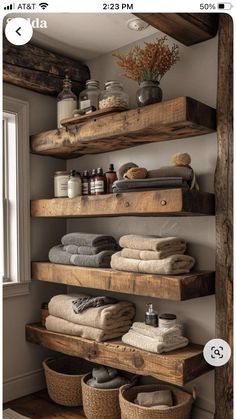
pixel 170 202
pixel 174 119
pixel 188 28
pixel 177 367
pixel 181 287
pixel 85 118
pixel 40 70
pixel 224 216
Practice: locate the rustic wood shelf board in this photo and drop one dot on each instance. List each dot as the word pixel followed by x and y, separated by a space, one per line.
pixel 181 287
pixel 188 28
pixel 177 367
pixel 171 202
pixel 174 119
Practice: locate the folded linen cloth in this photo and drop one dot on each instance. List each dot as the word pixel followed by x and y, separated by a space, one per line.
pixel 116 382
pixel 109 317
pixel 184 172
pixel 173 265
pixel 81 304
pixel 152 254
pixel 100 260
pixel 155 398
pixel 142 242
pixel 89 250
pixel 58 255
pixel 132 185
pixel 153 345
pixel 86 239
pixel 157 332
pixel 102 374
pixel 58 325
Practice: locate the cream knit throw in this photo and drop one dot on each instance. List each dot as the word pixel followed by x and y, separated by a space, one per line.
pixel 173 265
pixel 159 244
pixel 153 345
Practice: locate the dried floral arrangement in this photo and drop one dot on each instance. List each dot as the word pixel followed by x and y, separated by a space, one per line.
pixel 149 63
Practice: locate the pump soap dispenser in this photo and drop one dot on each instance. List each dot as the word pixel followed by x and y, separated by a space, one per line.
pixel 151 316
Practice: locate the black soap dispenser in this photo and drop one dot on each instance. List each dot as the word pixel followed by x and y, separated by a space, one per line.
pixel 151 316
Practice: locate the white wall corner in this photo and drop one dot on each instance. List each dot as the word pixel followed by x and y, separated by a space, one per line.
pixel 22 385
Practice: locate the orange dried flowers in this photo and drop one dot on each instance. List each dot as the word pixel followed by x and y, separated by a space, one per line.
pixel 149 63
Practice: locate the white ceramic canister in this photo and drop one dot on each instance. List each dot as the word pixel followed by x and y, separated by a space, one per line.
pixel 61 184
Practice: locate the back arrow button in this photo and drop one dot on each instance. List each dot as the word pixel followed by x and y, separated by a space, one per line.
pixel 17 31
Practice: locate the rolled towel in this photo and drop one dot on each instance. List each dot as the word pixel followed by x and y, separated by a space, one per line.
pixel 157 332
pixel 142 242
pixel 155 398
pixel 81 304
pixel 86 239
pixel 102 374
pixel 116 382
pixel 124 168
pixel 101 260
pixel 58 255
pixel 148 344
pixel 173 265
pixel 152 254
pixel 119 315
pixel 58 325
pixel 89 250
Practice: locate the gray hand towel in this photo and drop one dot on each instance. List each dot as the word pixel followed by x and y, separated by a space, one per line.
pixel 81 304
pixel 172 171
pixel 116 382
pixel 155 398
pixel 133 185
pixel 58 255
pixel 90 250
pixel 101 260
pixel 102 374
pixel 86 239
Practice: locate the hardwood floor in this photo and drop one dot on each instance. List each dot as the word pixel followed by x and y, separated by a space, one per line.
pixel 40 406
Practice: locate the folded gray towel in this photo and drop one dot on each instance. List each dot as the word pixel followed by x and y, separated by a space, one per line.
pixel 86 239
pixel 103 374
pixel 90 250
pixel 81 304
pixel 116 382
pixel 101 260
pixel 172 171
pixel 133 185
pixel 58 255
pixel 155 398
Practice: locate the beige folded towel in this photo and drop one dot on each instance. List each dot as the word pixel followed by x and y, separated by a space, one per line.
pixel 155 398
pixel 107 317
pixel 141 242
pixel 55 324
pixel 163 335
pixel 152 254
pixel 148 344
pixel 173 265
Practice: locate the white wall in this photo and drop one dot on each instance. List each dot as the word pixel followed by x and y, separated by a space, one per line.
pixel 195 75
pixel 22 360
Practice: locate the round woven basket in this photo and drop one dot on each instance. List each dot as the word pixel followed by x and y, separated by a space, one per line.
pixel 63 378
pixel 100 403
pixel 181 409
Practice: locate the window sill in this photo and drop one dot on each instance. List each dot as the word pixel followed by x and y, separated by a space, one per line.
pixel 15 289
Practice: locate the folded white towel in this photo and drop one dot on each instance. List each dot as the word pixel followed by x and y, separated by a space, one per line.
pixel 153 345
pixel 163 335
pixel 152 254
pixel 142 242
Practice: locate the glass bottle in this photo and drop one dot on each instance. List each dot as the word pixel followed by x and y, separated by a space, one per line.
pixel 151 316
pixel 100 182
pixel 66 102
pixel 74 184
pixel 91 182
pixel 113 96
pixel 85 183
pixel 89 96
pixel 110 178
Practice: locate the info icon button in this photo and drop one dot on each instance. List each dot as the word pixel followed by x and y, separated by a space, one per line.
pixel 217 352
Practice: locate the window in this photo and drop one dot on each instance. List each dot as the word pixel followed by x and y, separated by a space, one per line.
pixel 15 214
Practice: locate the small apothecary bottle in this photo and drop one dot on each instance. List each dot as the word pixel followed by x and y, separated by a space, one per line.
pixel 74 184
pixel 110 178
pixel 66 102
pixel 44 313
pixel 89 96
pixel 167 320
pixel 61 184
pixel 100 182
pixel 113 96
pixel 85 183
pixel 151 316
pixel 92 182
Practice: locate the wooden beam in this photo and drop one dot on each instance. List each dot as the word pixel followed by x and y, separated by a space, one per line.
pixel 188 28
pixel 182 117
pixel 177 367
pixel 224 215
pixel 40 70
pixel 170 202
pixel 177 288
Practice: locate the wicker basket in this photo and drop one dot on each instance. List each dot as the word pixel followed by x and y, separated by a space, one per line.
pixel 100 403
pixel 63 378
pixel 181 409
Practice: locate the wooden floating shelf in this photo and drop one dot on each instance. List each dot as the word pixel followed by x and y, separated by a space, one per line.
pixel 181 287
pixel 174 119
pixel 168 202
pixel 177 367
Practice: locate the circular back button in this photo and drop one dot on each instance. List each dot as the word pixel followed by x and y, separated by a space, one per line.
pixel 18 31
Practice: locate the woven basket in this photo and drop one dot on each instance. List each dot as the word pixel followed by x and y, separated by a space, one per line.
pixel 100 403
pixel 63 378
pixel 181 409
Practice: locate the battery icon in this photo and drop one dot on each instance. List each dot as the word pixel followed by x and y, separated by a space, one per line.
pixel 225 6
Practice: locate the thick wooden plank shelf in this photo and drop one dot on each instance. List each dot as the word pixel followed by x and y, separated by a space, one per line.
pixel 174 119
pixel 169 202
pixel 181 287
pixel 177 367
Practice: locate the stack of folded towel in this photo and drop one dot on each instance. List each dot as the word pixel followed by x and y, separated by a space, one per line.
pixel 98 322
pixel 106 378
pixel 155 339
pixel 84 249
pixel 152 255
pixel 161 399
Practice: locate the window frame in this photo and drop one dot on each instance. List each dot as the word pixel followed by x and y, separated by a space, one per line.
pixel 21 110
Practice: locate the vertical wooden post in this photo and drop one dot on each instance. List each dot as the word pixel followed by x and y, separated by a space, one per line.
pixel 224 215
